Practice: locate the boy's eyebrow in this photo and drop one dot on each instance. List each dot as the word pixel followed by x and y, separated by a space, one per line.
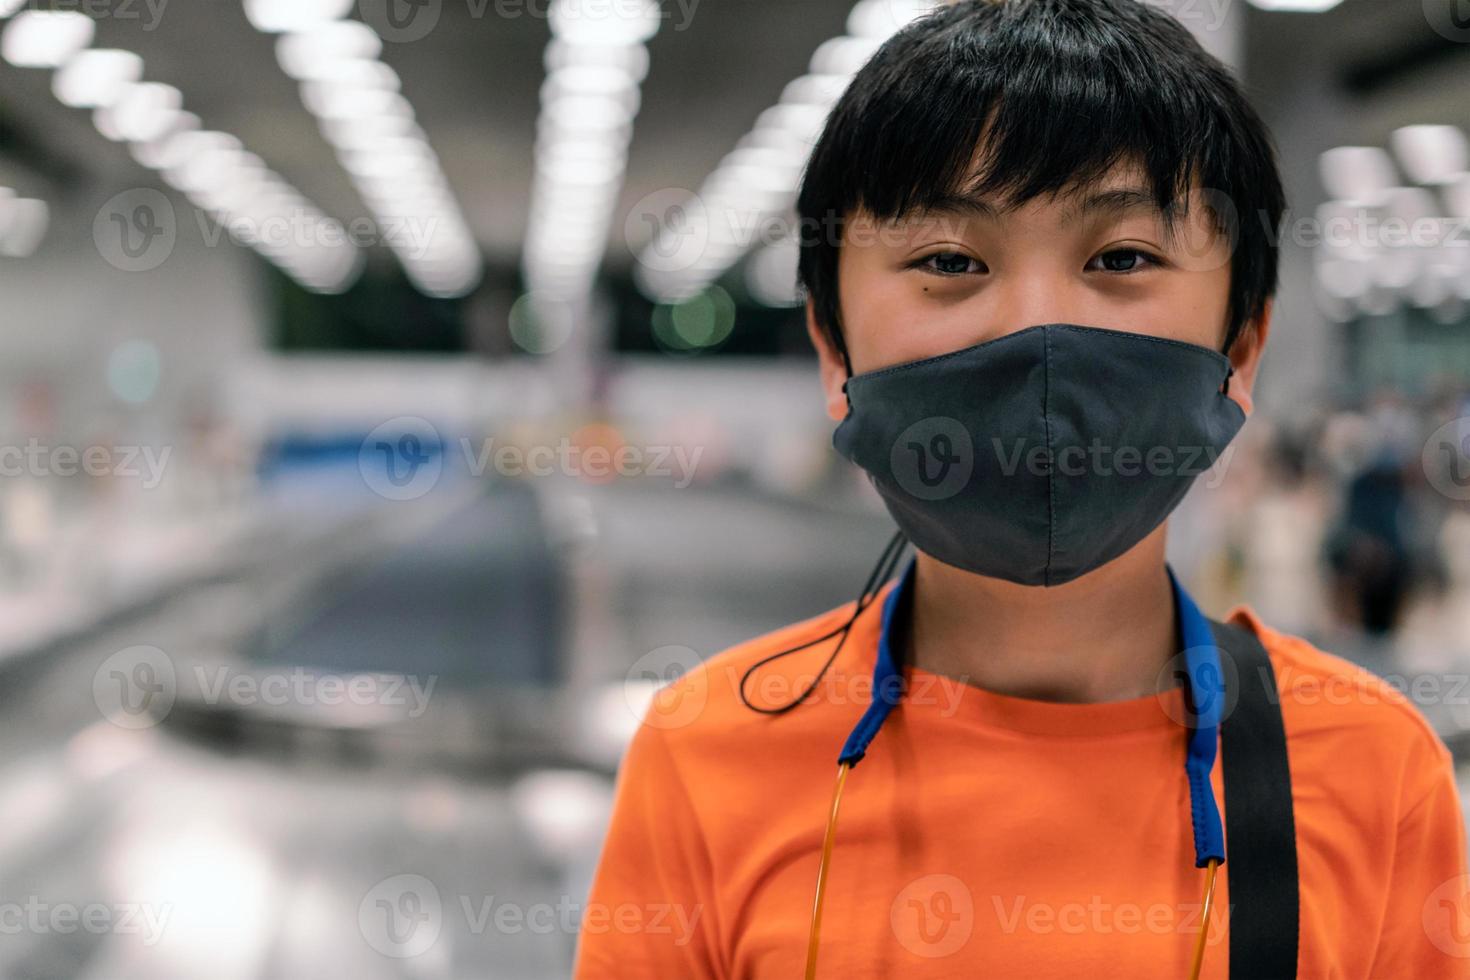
pixel 1115 200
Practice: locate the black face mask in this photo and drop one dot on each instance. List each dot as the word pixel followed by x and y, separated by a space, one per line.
pixel 1044 454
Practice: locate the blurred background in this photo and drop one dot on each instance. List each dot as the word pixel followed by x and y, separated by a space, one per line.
pixel 396 392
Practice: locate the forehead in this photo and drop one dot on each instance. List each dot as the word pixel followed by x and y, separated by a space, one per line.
pixel 1123 192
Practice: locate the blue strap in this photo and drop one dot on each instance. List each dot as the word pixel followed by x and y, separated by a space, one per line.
pixel 1205 690
pixel 887 679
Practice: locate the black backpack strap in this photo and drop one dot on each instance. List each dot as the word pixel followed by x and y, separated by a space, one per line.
pixel 1260 826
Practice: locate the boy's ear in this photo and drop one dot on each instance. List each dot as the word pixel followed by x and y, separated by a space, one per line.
pixel 829 361
pixel 1245 356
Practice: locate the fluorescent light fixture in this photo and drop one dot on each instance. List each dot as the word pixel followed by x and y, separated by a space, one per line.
pixel 1357 173
pixel 1457 195
pixel 336 102
pixel 45 38
pixel 24 226
pixel 598 24
pixel 276 16
pixel 364 73
pixel 360 111
pixel 880 19
pixel 307 54
pixel 1431 154
pixel 166 149
pixel 143 113
pixel 96 77
pixel 843 55
pixel 1296 6
pixel 758 180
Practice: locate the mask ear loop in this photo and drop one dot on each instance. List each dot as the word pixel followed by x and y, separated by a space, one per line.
pixel 882 571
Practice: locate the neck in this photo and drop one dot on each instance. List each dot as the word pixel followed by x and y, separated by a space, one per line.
pixel 1102 637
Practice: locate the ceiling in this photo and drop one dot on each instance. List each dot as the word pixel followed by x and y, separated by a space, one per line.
pixel 474 82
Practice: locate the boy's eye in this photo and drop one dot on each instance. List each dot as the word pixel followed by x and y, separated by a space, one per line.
pixel 1125 260
pixel 950 263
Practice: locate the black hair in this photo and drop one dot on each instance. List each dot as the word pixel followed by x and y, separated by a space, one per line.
pixel 1060 92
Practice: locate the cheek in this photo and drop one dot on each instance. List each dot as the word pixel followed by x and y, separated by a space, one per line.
pixel 1195 309
pixel 889 317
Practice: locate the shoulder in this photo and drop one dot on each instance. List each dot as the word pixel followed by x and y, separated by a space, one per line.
pixel 1343 721
pixel 724 712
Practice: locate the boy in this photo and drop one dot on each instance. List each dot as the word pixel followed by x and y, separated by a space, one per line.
pixel 1040 317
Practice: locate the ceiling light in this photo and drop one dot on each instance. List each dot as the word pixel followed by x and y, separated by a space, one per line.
pixel 1296 6
pixel 1431 154
pixel 23 223
pixel 96 77
pixel 306 54
pixel 275 16
pixel 604 24
pixel 144 112
pixel 45 38
pixel 1359 174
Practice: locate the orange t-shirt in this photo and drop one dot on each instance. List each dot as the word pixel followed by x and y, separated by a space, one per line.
pixel 986 835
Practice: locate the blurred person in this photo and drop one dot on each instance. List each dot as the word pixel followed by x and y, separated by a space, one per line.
pixel 1369 550
pixel 1283 533
pixel 1029 253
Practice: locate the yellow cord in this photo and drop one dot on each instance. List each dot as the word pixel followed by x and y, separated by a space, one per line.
pixel 1204 929
pixel 814 939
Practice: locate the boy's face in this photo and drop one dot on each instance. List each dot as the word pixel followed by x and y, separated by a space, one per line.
pixel 971 272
